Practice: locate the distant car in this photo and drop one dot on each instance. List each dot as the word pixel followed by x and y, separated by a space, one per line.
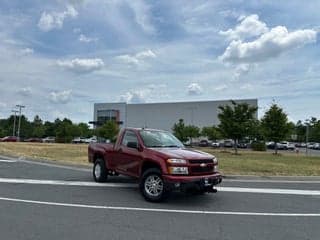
pixel 242 145
pixel 9 139
pixel 228 143
pixel 215 144
pixel 49 140
pixel 33 140
pixel 287 145
pixel 203 143
pixel 91 140
pixel 78 140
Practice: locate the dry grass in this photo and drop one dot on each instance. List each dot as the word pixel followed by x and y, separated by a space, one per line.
pixel 246 163
pixel 68 153
pixel 266 163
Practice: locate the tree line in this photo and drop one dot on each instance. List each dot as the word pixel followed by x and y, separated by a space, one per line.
pixel 237 122
pixel 63 130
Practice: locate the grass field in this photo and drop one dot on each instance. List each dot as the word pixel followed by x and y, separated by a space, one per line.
pixel 246 163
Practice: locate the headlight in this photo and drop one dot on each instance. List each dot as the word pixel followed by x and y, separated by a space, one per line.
pixel 178 170
pixel 215 168
pixel 215 160
pixel 179 161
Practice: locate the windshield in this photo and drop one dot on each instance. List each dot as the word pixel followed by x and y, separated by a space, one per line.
pixel 159 139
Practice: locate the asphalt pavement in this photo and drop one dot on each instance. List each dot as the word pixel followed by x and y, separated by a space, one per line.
pixel 50 201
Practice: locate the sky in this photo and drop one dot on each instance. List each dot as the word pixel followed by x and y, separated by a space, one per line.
pixel 60 57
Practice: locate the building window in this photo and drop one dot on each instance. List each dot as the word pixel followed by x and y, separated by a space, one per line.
pixel 107 115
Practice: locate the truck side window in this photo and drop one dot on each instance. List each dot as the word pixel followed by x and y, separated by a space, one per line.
pixel 129 136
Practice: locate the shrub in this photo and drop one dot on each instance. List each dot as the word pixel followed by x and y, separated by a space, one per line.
pixel 258 146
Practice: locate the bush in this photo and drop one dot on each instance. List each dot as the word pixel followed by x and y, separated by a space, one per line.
pixel 258 146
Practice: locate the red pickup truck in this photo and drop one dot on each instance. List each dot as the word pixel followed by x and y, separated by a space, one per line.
pixel 158 159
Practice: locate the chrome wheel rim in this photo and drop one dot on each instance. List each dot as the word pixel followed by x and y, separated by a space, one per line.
pixel 153 185
pixel 97 171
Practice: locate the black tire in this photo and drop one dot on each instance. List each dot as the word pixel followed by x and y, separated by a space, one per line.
pixel 100 172
pixel 156 193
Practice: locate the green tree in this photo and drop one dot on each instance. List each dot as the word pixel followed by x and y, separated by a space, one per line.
pixel 275 125
pixel 236 121
pixel 109 130
pixel 38 129
pixel 179 130
pixel 212 133
pixel 191 132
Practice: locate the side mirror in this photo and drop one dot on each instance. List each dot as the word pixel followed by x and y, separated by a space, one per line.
pixel 132 145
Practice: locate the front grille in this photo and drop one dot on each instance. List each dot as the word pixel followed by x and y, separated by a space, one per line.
pixel 199 161
pixel 199 169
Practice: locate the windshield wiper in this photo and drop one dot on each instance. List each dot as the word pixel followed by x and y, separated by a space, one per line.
pixel 172 146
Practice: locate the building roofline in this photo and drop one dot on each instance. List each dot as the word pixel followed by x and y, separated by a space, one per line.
pixel 200 101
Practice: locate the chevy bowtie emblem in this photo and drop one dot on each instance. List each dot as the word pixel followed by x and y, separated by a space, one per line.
pixel 203 165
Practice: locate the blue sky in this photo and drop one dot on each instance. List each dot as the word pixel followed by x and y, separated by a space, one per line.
pixel 59 57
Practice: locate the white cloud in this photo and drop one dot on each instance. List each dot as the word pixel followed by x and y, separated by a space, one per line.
pixel 133 97
pixel 145 94
pixel 26 51
pixel 62 97
pixel 247 87
pixel 54 20
pixel 194 89
pixel 84 38
pixel 220 87
pixel 83 65
pixel 241 69
pixel 268 45
pixel 25 91
pixel 249 26
pixel 137 58
pixel 142 15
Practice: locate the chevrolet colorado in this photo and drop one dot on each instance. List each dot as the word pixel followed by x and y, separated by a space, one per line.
pixel 158 159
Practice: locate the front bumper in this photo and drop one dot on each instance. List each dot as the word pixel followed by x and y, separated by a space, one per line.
pixel 186 183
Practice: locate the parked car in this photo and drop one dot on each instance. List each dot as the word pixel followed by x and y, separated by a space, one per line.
pixel 91 140
pixel 203 143
pixel 287 145
pixel 215 144
pixel 158 160
pixel 316 146
pixel 78 140
pixel 228 143
pixel 242 145
pixel 49 140
pixel 9 139
pixel 33 140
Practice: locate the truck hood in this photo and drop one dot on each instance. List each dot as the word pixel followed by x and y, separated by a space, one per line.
pixel 181 153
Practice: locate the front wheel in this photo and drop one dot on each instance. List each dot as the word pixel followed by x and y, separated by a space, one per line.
pixel 152 186
pixel 100 173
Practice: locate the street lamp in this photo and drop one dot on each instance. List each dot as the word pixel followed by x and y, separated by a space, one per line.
pixel 14 122
pixel 20 108
pixel 307 135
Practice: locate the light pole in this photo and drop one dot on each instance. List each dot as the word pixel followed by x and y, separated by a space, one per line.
pixel 307 136
pixel 19 125
pixel 14 122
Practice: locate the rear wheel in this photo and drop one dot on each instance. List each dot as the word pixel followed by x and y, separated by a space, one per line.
pixel 100 173
pixel 152 185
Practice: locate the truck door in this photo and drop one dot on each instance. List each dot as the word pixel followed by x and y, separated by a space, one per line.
pixel 128 157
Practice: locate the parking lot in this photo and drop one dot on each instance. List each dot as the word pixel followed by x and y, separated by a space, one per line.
pixel 40 200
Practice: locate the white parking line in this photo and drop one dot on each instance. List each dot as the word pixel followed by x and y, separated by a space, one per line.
pixel 160 210
pixel 134 185
pixel 7 160
pixel 55 165
pixel 270 181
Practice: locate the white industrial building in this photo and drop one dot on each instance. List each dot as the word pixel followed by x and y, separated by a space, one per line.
pixel 162 115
